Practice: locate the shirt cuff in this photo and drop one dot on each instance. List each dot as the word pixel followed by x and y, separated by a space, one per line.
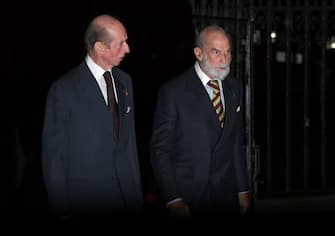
pixel 243 192
pixel 174 200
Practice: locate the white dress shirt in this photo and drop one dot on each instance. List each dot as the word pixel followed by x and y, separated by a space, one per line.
pixel 98 72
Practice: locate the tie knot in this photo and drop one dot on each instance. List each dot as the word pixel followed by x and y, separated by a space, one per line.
pixel 214 85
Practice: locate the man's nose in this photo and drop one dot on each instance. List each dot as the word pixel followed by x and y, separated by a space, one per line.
pixel 127 49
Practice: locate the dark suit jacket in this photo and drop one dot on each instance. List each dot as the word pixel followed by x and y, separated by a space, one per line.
pixel 192 157
pixel 85 167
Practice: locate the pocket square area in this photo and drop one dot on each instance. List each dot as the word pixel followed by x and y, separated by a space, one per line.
pixel 128 109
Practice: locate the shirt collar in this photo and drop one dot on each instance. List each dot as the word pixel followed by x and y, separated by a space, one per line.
pixel 96 70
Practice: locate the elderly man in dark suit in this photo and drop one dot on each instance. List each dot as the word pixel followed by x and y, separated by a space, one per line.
pixel 197 145
pixel 90 162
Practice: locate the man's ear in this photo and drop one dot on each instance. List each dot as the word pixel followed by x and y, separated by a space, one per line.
pixel 99 46
pixel 198 53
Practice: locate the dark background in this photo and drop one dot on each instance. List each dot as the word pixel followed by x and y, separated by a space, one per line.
pixel 42 41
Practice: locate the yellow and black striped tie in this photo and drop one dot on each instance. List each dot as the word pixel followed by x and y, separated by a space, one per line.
pixel 216 100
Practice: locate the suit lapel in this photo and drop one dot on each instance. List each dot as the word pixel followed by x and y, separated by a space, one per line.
pixel 199 96
pixel 200 101
pixel 230 103
pixel 122 95
pixel 94 100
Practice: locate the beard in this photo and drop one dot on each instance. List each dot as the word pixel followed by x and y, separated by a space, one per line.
pixel 219 75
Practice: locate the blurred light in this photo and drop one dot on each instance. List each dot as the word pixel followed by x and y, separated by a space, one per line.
pixel 331 43
pixel 257 37
pixel 298 58
pixel 280 56
pixel 273 36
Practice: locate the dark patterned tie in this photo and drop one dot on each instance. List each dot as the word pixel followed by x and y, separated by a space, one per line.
pixel 112 105
pixel 216 100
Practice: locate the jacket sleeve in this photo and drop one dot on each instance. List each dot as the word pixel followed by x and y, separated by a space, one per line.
pixel 162 144
pixel 54 146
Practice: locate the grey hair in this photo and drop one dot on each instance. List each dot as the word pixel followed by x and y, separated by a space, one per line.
pixel 199 39
pixel 97 32
pixel 93 34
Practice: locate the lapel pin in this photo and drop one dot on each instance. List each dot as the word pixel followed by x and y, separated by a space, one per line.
pixel 238 109
pixel 128 109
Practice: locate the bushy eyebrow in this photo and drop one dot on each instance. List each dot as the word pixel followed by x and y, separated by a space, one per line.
pixel 216 50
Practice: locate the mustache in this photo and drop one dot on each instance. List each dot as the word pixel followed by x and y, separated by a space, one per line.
pixel 223 65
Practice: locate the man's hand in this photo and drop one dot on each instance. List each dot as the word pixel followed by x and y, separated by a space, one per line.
pixel 179 208
pixel 244 202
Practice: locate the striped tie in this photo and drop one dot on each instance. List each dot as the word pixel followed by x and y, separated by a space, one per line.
pixel 216 100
